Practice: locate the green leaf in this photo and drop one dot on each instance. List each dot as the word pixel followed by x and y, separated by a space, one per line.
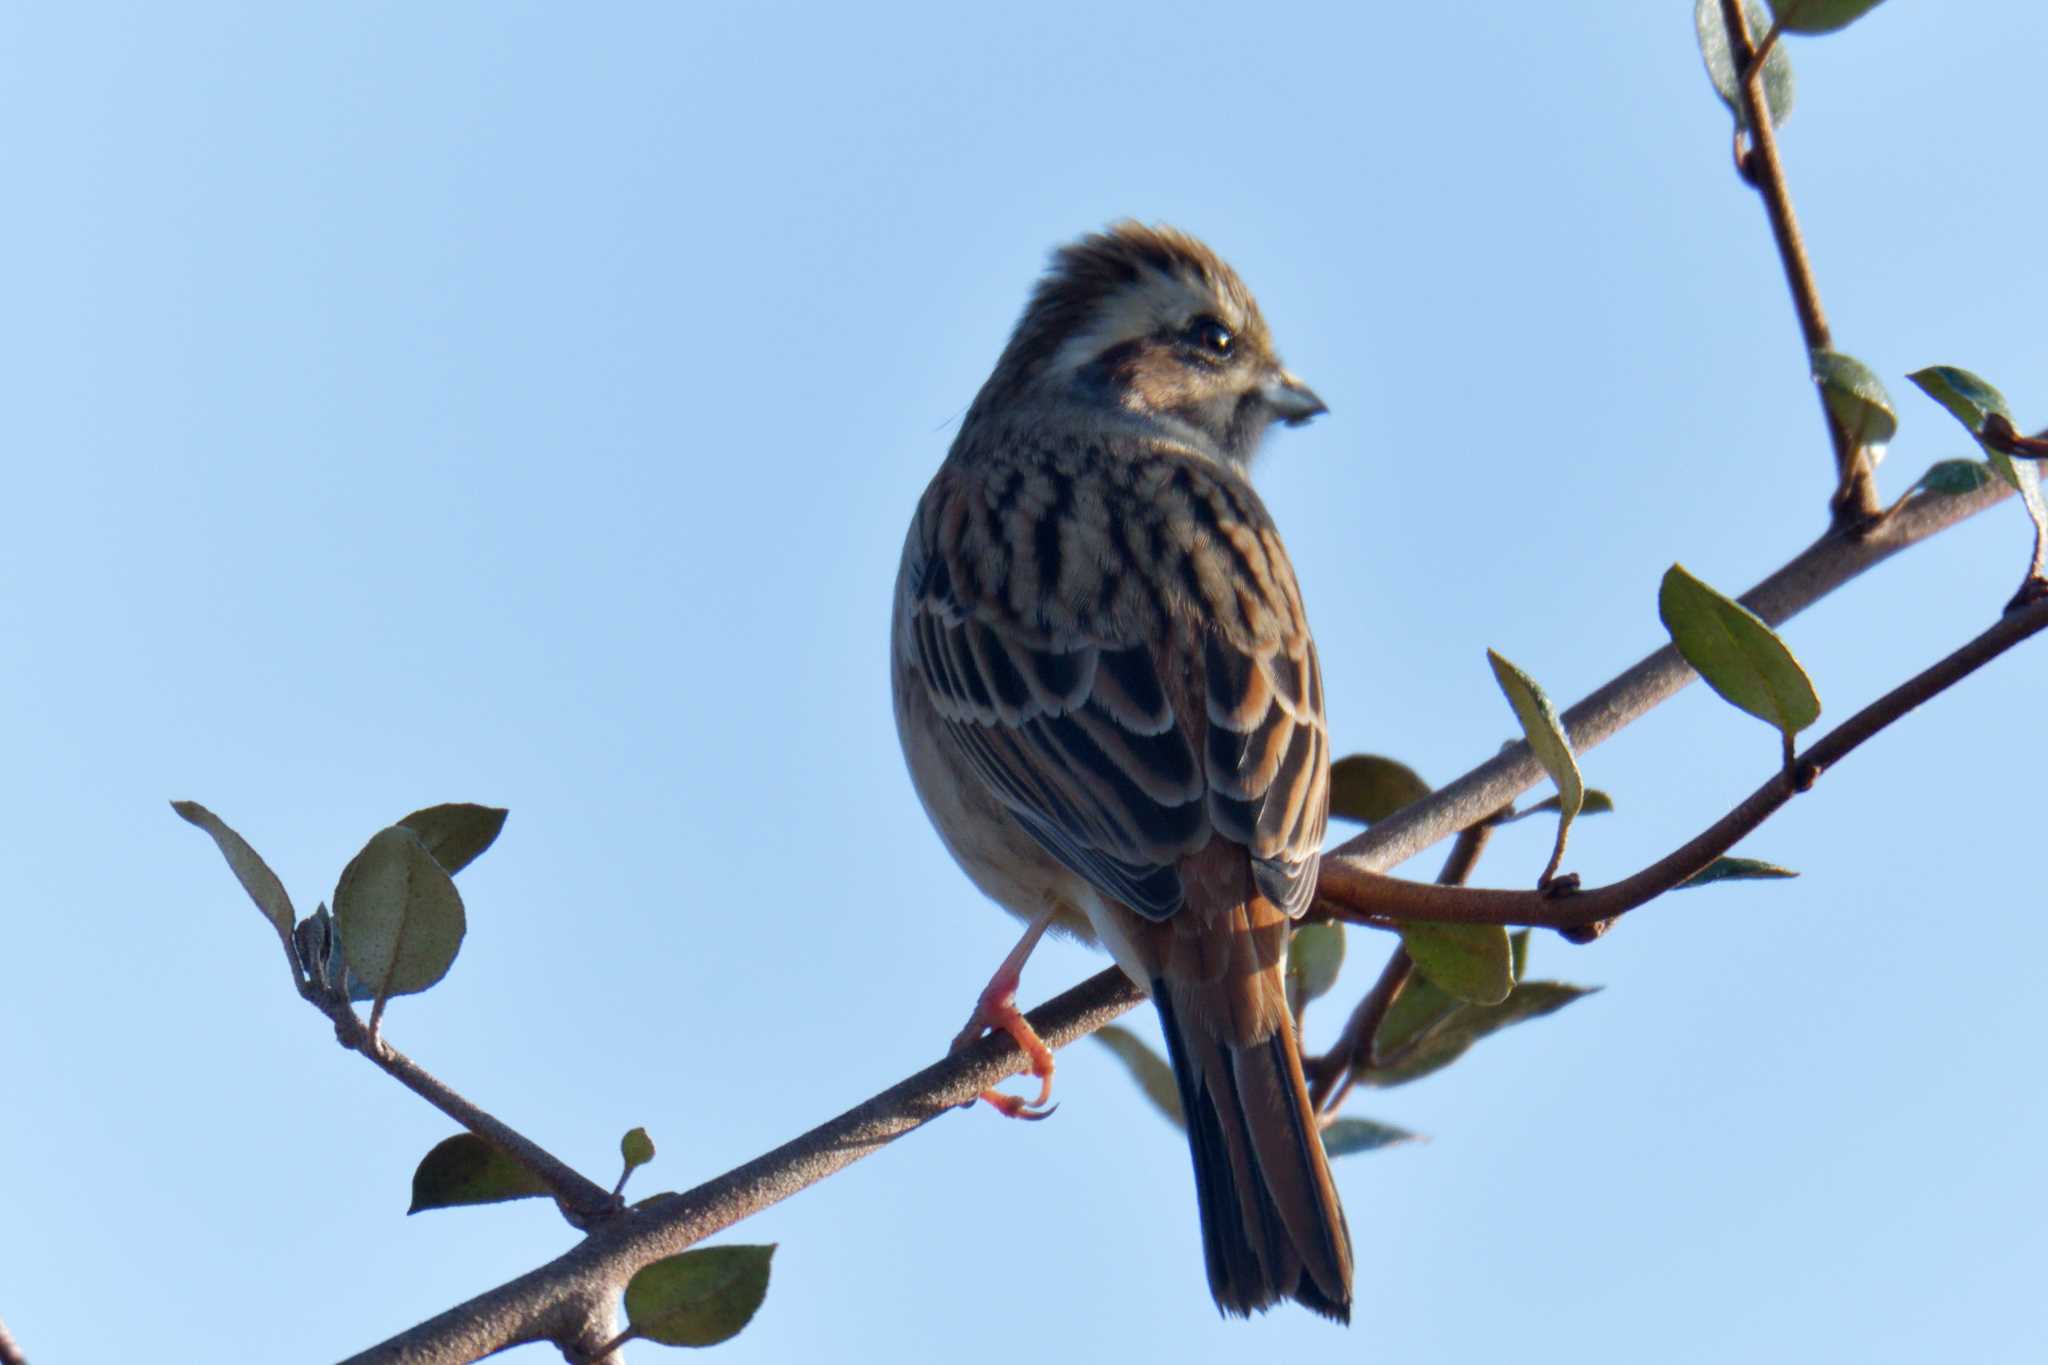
pixel 1437 1030
pixel 465 1169
pixel 1857 399
pixel 1314 956
pixel 1421 1007
pixel 1953 478
pixel 1147 1068
pixel 1346 1136
pixel 1819 16
pixel 1739 656
pixel 1368 787
pixel 1736 870
pixel 1547 740
pixel 398 914
pixel 1518 947
pixel 1713 35
pixel 456 833
pixel 636 1147
pixel 1969 399
pixel 1471 961
pixel 701 1297
pixel 1596 802
pixel 250 870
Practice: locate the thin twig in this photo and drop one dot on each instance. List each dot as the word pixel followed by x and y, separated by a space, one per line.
pixel 1352 1053
pixel 1353 893
pixel 1829 562
pixel 583 1201
pixel 1763 49
pixel 1334 1073
pixel 2000 436
pixel 1855 499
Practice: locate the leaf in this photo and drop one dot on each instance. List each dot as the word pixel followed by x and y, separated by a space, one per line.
pixel 1547 740
pixel 1819 16
pixel 398 914
pixel 1314 956
pixel 1709 23
pixel 1857 399
pixel 700 1297
pixel 456 833
pixel 1518 947
pixel 1447 1028
pixel 1953 478
pixel 1971 401
pixel 1596 802
pixel 1735 870
pixel 1471 961
pixel 1968 398
pixel 1346 1136
pixel 1421 1007
pixel 1368 787
pixel 250 870
pixel 1739 656
pixel 636 1147
pixel 1147 1068
pixel 465 1169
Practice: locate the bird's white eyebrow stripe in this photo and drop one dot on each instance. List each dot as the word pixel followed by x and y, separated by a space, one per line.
pixel 1137 310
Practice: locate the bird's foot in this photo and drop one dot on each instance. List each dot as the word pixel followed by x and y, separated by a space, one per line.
pixel 997 1009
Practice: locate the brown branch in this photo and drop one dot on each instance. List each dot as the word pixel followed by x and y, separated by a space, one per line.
pixel 1829 562
pixel 527 1309
pixel 1353 893
pixel 1352 1052
pixel 583 1201
pixel 2000 436
pixel 1855 499
pixel 1331 1076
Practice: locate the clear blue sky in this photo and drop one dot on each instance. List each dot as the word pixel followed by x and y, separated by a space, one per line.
pixel 523 404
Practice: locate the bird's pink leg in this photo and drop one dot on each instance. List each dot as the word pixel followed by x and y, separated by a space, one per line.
pixel 997 1009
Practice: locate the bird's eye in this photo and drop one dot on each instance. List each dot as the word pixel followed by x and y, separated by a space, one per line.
pixel 1211 338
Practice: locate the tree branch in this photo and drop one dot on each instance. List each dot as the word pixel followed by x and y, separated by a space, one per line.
pixel 530 1308
pixel 583 1201
pixel 1374 898
pixel 1331 1076
pixel 1829 562
pixel 1855 500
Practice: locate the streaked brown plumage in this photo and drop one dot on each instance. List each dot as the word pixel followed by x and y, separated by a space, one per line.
pixel 1110 703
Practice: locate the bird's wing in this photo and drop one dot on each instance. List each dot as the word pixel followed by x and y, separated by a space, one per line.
pixel 1119 651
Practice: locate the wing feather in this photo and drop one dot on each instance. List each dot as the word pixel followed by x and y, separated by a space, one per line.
pixel 1120 744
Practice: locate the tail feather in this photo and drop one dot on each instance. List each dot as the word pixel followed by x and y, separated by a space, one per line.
pixel 1272 1228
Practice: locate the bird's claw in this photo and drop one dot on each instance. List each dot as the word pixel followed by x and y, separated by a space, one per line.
pixel 998 1010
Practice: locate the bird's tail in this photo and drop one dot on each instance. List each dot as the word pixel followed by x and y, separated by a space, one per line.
pixel 1272 1228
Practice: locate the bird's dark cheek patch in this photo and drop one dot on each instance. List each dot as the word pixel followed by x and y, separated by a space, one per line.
pixel 1113 368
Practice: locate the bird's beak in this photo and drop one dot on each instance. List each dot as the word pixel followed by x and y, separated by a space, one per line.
pixel 1292 401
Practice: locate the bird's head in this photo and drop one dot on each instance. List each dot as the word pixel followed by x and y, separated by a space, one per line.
pixel 1148 320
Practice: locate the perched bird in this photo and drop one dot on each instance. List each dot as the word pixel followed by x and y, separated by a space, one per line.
pixel 1109 701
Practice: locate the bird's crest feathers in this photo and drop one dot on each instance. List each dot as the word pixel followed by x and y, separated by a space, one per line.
pixel 1126 282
